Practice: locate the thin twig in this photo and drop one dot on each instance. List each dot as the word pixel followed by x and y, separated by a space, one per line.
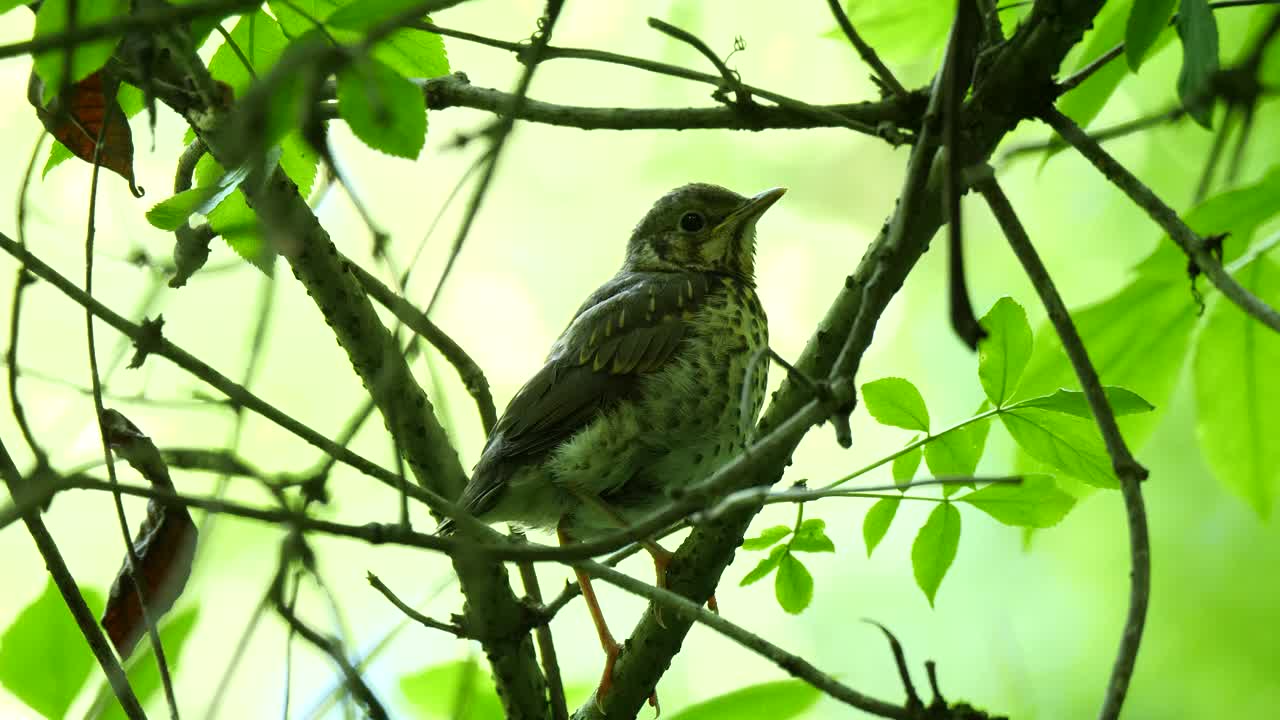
pixel 793 664
pixel 865 51
pixel 131 557
pixel 328 646
pixel 501 133
pixel 1126 467
pixel 1192 244
pixel 188 362
pixel 1072 81
pixel 956 76
pixel 730 78
pixel 469 371
pixel 1211 162
pixel 15 316
pixel 901 112
pixel 242 646
pixel 900 659
pixel 1084 73
pixel 414 615
pixel 1129 127
pixel 70 591
pixel 546 645
pixel 760 496
pixel 151 18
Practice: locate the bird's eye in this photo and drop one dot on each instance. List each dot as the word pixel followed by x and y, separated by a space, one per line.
pixel 692 222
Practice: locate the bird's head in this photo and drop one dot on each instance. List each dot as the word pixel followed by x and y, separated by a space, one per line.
pixel 701 228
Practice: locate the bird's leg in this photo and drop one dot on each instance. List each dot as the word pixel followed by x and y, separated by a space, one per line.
pixel 607 641
pixel 661 556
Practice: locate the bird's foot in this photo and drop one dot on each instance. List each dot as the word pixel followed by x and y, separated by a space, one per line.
pixel 611 653
pixel 661 559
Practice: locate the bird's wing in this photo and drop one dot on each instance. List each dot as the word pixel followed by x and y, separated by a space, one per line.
pixel 627 329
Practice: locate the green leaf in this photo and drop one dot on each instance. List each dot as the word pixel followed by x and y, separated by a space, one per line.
pixel 1073 402
pixel 812 537
pixel 174 212
pixel 906 464
pixel 412 53
pixel 1036 502
pixel 1065 442
pixel 1238 393
pixel 1199 32
pixel 1003 354
pixel 144 676
pixel 793 585
pixel 904 30
pixel 1138 338
pixel 44 660
pixel 51 20
pixel 957 453
pixel 382 108
pixel 234 220
pixel 461 690
pixel 765 566
pixel 260 40
pixel 238 225
pixel 1147 19
pixel 365 14
pixel 875 524
pixel 57 153
pixel 299 161
pixel 935 548
pixel 299 17
pixel 778 700
pixel 766 538
pixel 1083 103
pixel 1239 212
pixel 895 401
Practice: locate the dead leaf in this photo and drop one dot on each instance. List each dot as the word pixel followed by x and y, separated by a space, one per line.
pixel 165 543
pixel 76 119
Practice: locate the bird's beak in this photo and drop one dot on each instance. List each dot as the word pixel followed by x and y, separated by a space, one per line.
pixel 754 208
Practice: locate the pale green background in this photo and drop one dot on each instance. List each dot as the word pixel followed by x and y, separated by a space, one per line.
pixel 1031 634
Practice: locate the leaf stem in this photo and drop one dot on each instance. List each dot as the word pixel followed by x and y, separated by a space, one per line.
pixel 912 446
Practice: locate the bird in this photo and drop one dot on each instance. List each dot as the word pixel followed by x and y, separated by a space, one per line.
pixel 643 392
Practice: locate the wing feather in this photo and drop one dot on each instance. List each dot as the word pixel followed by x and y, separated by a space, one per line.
pixel 631 326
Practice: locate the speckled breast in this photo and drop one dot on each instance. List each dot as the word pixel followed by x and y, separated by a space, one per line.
pixel 690 417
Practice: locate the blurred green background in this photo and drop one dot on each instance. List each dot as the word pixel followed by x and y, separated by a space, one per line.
pixel 1027 631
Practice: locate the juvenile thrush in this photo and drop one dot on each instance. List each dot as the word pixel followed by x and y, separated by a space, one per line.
pixel 643 391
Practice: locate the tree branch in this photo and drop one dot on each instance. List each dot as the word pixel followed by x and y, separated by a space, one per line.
pixel 70 591
pixel 1127 469
pixel 865 51
pixel 1192 244
pixel 869 118
pixel 687 611
pixel 468 370
pixel 1010 87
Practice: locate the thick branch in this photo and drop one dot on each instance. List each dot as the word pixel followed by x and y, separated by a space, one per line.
pixel 492 608
pixel 468 371
pixel 1013 84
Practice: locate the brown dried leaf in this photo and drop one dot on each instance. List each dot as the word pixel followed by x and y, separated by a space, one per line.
pixel 165 543
pixel 76 119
